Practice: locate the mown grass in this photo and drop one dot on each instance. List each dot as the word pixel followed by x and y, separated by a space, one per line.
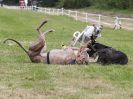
pixel 109 12
pixel 21 78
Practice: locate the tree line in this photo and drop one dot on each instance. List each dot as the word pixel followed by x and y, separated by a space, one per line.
pixel 120 4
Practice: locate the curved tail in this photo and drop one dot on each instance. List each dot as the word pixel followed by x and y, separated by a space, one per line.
pixel 18 44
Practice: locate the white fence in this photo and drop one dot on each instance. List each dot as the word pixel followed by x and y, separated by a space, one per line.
pixel 127 23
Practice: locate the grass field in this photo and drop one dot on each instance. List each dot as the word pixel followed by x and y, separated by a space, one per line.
pixel 21 79
pixel 110 12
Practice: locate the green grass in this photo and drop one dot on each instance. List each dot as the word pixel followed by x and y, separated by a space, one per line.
pixel 109 12
pixel 19 78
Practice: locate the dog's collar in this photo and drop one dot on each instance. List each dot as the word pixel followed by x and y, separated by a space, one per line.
pixel 72 62
pixel 48 60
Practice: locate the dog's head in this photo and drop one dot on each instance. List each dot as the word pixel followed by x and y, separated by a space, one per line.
pixel 97 31
pixel 82 56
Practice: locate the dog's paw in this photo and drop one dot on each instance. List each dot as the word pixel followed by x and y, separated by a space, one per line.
pixel 52 30
pixel 45 21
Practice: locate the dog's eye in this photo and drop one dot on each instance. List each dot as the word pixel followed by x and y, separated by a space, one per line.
pixel 78 55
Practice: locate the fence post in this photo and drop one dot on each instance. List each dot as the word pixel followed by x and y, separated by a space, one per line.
pixel 99 19
pixel 58 11
pixel 76 15
pixel 86 17
pixel 53 11
pixel 62 11
pixel 69 12
pixel 39 9
pixel 49 10
pixel 45 10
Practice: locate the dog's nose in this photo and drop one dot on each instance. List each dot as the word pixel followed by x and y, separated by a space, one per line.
pixel 98 31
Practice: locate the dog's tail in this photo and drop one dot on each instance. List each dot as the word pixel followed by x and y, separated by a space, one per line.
pixel 18 44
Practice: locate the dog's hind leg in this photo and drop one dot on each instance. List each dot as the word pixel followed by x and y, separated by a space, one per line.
pixel 37 47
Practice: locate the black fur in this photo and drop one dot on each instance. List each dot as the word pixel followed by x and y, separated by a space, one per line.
pixel 108 55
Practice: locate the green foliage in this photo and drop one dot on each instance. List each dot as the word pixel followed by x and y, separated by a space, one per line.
pixel 74 3
pixel 106 4
pixel 121 4
pixel 48 3
pixel 11 2
pixel 60 4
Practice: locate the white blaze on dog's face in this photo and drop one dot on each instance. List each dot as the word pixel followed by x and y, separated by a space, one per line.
pixel 97 31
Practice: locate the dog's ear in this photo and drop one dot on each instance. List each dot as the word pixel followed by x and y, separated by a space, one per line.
pixel 101 26
pixel 94 25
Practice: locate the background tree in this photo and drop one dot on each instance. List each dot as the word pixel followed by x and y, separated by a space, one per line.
pixel 108 4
